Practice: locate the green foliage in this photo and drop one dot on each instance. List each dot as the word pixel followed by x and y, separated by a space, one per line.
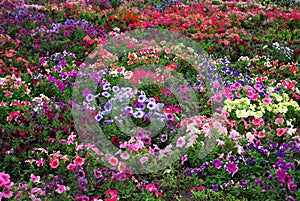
pixel 209 195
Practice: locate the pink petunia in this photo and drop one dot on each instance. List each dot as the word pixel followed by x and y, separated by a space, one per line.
pixel 151 187
pixel 6 194
pixel 261 134
pixel 113 161
pixel 35 179
pixel 180 142
pixel 279 120
pixel 4 179
pixel 124 156
pixel 79 161
pixel 266 101
pixel 61 188
pixel 113 195
pixel 8 93
pixel 280 131
pixel 144 159
pixel 201 188
pixel 183 159
pixel 218 98
pixel 71 167
pixel 54 163
pixel 40 162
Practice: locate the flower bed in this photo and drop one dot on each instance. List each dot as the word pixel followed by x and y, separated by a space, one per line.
pixel 140 100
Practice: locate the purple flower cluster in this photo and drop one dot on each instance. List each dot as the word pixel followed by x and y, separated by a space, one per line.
pixel 273 158
pixel 60 65
pixel 40 32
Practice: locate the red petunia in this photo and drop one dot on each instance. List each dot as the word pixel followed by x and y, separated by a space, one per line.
pixel 113 195
pixel 115 140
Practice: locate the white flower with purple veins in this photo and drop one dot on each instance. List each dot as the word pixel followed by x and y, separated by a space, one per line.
pixel 151 105
pixel 106 86
pixel 107 109
pixel 164 138
pixel 152 100
pixel 90 97
pixel 106 94
pixel 116 89
pixel 98 117
pixel 128 110
pixel 142 98
pixel 108 106
pixel 138 114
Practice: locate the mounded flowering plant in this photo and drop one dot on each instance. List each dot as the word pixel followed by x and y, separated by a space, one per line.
pixel 129 98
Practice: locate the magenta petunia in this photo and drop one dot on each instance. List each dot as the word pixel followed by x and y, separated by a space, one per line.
pixel 281 174
pixel 217 164
pixel 231 167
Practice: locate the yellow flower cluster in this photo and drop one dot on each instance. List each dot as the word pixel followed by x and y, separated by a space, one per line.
pixel 243 107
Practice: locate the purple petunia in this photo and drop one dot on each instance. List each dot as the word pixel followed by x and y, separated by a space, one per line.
pixel 290 198
pixel 258 182
pixel 231 167
pixel 214 187
pixel 243 184
pixel 63 63
pixel 97 174
pixel 217 164
pixel 115 89
pixel 108 106
pixel 292 187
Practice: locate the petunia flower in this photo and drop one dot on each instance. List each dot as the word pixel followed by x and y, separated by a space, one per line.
pixel 231 167
pixel 79 161
pixel 180 142
pixel 144 159
pixel 217 164
pixel 54 163
pixel 35 179
pixel 113 195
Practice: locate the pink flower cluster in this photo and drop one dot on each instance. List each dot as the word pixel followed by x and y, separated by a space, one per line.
pixel 5 186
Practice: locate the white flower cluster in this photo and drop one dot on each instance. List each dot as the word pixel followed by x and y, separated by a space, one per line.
pixel 286 50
